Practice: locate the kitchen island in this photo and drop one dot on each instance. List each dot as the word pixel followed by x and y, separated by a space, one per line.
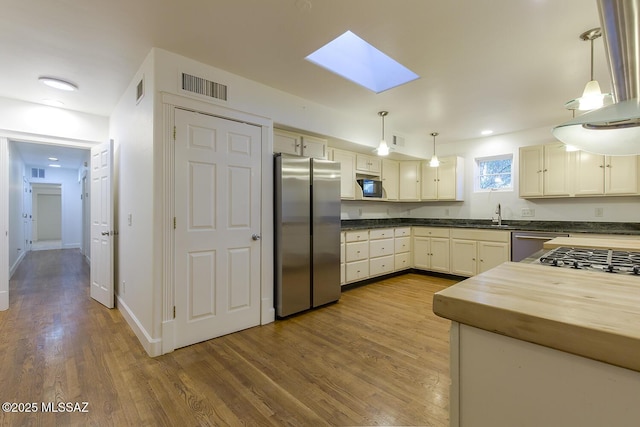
pixel 533 345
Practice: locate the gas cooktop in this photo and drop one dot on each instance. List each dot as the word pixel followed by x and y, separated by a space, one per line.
pixel 605 260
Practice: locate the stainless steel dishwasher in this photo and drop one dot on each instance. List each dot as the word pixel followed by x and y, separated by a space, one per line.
pixel 526 243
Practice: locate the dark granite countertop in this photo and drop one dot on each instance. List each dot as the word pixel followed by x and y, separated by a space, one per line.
pixel 628 228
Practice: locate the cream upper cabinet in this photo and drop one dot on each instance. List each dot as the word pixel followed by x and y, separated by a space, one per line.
pixel 544 171
pixel 367 164
pixel 611 175
pixel 390 178
pixel 299 145
pixel 444 182
pixel 409 180
pixel 347 162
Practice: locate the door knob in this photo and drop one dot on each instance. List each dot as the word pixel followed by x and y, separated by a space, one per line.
pixel 105 233
pixel 255 237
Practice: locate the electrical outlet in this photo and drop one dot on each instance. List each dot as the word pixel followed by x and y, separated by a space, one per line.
pixel 446 212
pixel 124 284
pixel 528 212
pixel 599 212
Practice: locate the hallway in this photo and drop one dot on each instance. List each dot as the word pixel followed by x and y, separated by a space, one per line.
pixel 377 357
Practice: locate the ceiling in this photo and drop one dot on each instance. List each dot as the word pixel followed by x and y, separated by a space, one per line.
pixel 503 65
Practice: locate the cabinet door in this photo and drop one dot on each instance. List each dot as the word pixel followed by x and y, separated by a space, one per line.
pixel 356 271
pixel 621 175
pixel 367 164
pixel 347 162
pixel 286 142
pixel 390 178
pixel 589 175
pixel 491 254
pixel 440 254
pixel 463 257
pixel 447 178
pixel 421 252
pixel 314 147
pixel 556 170
pixel 429 184
pixel 531 165
pixel 409 180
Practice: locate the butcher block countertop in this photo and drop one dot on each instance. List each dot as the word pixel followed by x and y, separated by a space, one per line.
pixel 594 243
pixel 587 313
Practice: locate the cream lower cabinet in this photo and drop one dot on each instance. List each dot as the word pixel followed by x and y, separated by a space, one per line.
pixel 402 248
pixel 356 255
pixel 431 249
pixel 476 251
pixel 381 251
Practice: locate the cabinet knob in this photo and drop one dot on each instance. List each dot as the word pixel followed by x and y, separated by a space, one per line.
pixel 608 166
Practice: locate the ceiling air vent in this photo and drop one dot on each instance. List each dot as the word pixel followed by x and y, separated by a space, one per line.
pixel 204 87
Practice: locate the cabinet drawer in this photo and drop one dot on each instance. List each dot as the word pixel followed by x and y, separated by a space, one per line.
pixel 403 232
pixel 342 238
pixel 381 233
pixel 381 247
pixel 357 251
pixel 403 261
pixel 342 252
pixel 431 232
pixel 343 274
pixel 357 235
pixel 402 244
pixel 382 265
pixel 356 271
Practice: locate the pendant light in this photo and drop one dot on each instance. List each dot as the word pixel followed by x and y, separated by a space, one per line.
pixel 592 97
pixel 383 148
pixel 434 163
pixel 614 129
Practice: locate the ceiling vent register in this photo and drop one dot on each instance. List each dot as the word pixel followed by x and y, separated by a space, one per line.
pixel 204 87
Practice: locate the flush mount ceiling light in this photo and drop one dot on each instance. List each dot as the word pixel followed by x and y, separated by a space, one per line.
pixel 383 148
pixel 434 163
pixel 58 83
pixel 354 59
pixel 592 97
pixel 613 129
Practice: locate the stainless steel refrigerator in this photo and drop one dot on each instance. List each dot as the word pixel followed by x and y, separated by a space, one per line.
pixel 307 233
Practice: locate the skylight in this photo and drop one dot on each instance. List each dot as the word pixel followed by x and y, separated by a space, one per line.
pixel 354 59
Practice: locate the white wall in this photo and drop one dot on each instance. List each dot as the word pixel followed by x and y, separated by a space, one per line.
pixel 132 131
pixel 482 205
pixel 15 206
pixel 35 120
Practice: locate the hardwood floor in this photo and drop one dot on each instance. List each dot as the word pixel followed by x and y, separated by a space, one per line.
pixel 377 357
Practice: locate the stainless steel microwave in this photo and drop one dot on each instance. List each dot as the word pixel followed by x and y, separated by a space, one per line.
pixel 371 187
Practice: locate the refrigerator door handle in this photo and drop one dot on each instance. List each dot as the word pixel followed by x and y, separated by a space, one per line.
pixel 256 237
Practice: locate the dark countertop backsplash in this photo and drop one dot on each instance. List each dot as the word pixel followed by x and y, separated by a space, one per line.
pixel 629 228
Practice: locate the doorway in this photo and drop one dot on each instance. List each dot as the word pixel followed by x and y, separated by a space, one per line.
pixel 47 216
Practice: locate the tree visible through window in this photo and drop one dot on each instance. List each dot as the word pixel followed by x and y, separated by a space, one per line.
pixel 494 173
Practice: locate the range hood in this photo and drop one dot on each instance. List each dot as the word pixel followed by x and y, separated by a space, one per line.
pixel 614 129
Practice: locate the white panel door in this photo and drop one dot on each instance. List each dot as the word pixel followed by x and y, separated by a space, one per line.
pixel 217 226
pixel 101 224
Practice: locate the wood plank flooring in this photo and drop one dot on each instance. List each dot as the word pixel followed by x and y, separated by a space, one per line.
pixel 377 357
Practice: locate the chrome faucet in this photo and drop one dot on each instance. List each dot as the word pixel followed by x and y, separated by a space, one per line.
pixel 498 221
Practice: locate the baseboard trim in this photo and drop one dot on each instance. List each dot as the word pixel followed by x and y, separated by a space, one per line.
pixel 15 265
pixel 153 346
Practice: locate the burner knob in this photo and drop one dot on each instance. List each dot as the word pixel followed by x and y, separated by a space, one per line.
pixel 636 269
pixel 554 262
pixel 610 268
pixel 576 264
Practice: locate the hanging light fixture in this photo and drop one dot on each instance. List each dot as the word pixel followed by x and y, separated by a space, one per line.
pixel 383 148
pixel 434 163
pixel 614 129
pixel 592 97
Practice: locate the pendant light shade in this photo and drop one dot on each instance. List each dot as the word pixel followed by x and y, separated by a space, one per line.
pixel 383 148
pixel 434 163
